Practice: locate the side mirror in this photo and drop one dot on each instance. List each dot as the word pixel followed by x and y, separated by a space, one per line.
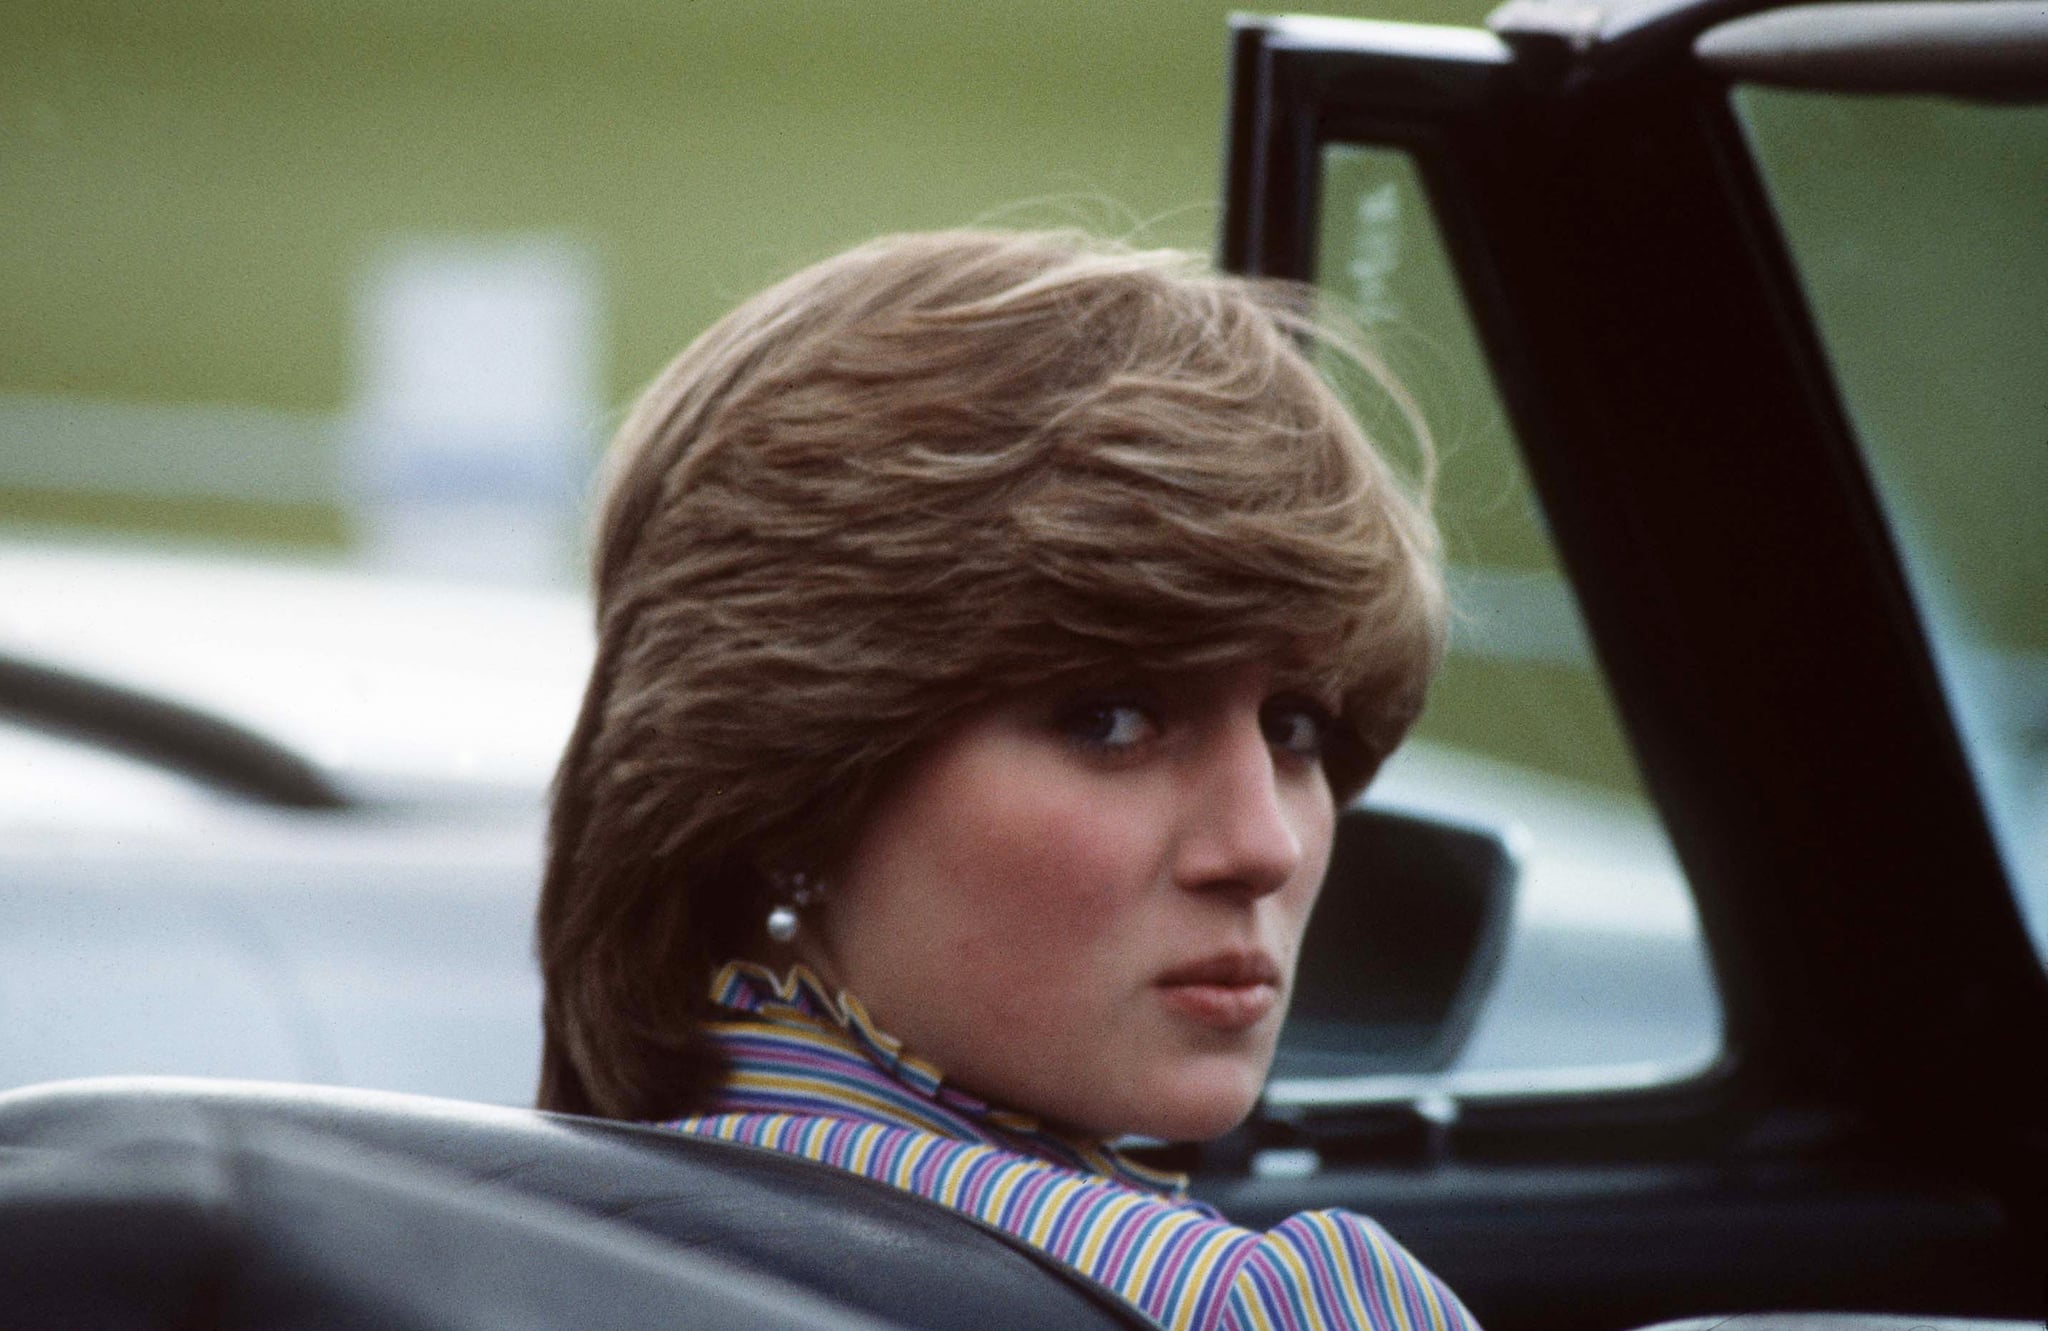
pixel 1403 948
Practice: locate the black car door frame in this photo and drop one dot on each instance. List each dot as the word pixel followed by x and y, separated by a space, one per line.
pixel 1884 1010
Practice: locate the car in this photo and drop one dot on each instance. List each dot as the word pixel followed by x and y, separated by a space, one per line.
pixel 1849 806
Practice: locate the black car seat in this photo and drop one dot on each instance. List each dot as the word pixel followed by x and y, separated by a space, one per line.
pixel 152 1202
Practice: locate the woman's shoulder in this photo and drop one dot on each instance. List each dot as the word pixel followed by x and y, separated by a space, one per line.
pixel 1349 1271
pixel 1176 1258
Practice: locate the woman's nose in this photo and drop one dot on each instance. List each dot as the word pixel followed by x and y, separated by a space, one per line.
pixel 1239 832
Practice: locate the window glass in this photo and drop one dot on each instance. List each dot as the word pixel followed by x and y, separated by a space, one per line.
pixel 1605 970
pixel 1920 229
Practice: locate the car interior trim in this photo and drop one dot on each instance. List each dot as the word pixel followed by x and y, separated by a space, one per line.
pixel 1482 1084
pixel 1426 41
pixel 1991 49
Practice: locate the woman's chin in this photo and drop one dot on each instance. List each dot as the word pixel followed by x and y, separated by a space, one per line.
pixel 1200 1104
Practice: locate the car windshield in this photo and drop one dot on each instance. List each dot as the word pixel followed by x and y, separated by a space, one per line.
pixel 1917 224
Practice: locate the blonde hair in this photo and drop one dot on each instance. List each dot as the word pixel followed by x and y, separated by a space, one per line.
pixel 895 486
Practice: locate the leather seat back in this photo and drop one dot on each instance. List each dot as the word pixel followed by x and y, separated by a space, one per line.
pixel 856 1242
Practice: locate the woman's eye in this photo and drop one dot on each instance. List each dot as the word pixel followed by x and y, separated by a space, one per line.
pixel 1297 729
pixel 1109 725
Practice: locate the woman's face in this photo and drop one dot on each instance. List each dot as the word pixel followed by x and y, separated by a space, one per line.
pixel 1086 904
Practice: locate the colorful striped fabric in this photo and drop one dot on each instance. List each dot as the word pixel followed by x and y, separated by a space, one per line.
pixel 812 1076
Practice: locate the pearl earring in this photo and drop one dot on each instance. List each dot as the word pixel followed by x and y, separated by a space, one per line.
pixel 796 890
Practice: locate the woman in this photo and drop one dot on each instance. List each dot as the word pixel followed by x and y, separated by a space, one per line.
pixel 990 626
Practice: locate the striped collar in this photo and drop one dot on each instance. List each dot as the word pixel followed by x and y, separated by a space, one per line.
pixel 793 1049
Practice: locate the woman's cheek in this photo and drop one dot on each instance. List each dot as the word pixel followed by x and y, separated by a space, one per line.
pixel 1053 869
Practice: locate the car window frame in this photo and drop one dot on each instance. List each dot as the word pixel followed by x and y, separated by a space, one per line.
pixel 1848 985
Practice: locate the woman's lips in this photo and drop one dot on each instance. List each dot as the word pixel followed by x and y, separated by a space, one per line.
pixel 1225 1007
pixel 1230 991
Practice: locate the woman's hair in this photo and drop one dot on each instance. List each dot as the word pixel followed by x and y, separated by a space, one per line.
pixel 905 482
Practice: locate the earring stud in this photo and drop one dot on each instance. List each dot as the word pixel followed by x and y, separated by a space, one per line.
pixel 796 890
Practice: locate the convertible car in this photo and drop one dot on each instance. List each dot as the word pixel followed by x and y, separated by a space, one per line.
pixel 1599 227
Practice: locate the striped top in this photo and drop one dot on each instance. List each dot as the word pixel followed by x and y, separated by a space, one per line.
pixel 811 1076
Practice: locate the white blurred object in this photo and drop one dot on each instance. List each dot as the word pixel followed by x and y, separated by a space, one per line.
pixel 150 924
pixel 400 689
pixel 476 406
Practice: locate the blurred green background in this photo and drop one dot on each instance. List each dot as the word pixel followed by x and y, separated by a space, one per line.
pixel 191 190
pixel 192 195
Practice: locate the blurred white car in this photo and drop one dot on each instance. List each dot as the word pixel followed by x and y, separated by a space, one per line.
pixel 156 919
